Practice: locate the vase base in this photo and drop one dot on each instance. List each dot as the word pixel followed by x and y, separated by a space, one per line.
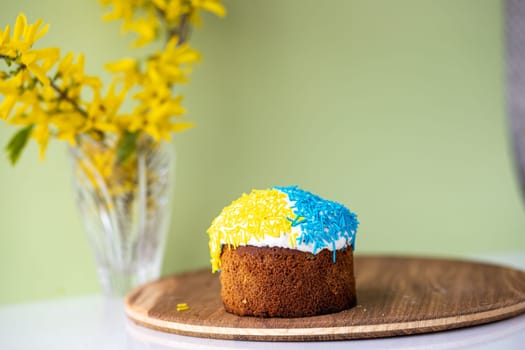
pixel 119 283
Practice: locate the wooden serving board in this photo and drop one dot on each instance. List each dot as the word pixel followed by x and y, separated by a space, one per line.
pixel 395 296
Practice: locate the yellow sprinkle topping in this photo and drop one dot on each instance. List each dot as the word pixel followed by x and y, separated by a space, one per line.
pixel 182 307
pixel 256 215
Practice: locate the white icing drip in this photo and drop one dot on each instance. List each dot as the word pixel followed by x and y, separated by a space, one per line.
pixel 283 241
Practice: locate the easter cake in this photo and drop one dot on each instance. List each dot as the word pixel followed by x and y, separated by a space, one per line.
pixel 284 252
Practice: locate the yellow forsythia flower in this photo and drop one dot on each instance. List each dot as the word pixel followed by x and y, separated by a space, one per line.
pixel 18 46
pixel 213 6
pixel 146 28
pixel 172 62
pixel 172 10
pixel 126 70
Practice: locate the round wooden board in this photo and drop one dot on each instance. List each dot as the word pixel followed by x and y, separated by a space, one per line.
pixel 395 295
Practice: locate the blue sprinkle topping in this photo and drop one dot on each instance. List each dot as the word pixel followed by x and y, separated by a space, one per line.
pixel 322 222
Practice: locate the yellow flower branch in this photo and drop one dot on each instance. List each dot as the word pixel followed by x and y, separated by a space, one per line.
pixel 46 104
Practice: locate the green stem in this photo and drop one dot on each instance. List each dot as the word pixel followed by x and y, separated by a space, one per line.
pixel 183 30
pixel 63 95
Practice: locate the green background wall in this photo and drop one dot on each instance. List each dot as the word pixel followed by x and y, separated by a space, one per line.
pixel 395 108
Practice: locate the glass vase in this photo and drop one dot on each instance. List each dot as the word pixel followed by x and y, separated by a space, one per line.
pixel 125 208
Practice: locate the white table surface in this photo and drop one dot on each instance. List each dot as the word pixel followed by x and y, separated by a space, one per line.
pixel 94 322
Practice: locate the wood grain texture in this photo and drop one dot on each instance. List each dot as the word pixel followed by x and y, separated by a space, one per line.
pixel 395 296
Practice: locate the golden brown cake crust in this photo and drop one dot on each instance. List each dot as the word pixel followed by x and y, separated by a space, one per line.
pixel 281 282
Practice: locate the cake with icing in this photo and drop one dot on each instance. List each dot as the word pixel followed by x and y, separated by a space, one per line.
pixel 284 252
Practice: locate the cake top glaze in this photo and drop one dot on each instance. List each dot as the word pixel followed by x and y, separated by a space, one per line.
pixel 286 217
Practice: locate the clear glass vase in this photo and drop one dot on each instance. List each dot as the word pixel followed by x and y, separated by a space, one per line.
pixel 125 209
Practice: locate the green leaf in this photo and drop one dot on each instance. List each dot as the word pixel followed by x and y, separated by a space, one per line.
pixel 126 146
pixel 17 143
